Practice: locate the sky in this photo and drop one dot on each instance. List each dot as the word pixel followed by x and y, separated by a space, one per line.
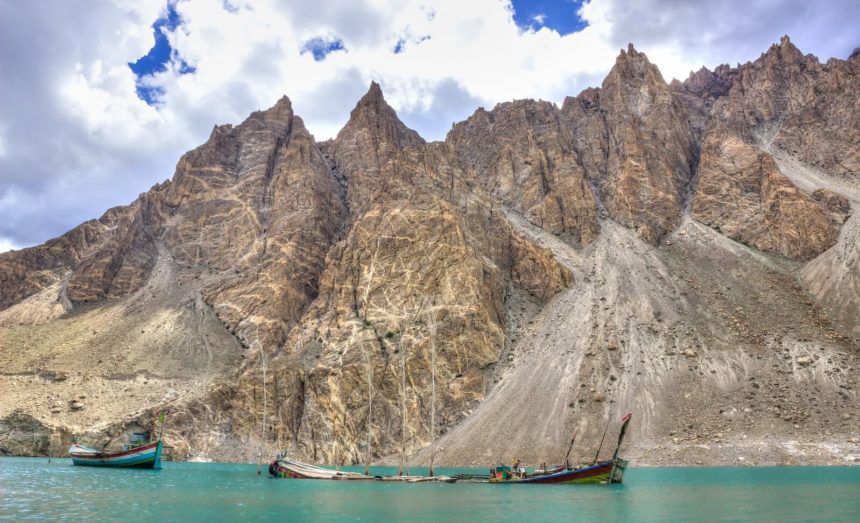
pixel 100 98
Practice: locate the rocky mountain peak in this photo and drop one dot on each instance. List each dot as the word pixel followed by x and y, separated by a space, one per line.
pixel 374 93
pixel 282 105
pixel 373 113
pixel 634 85
pixel 784 52
pixel 281 111
pixel 646 243
pixel 364 149
pixel 373 102
pixel 632 64
pixel 653 150
pixel 707 84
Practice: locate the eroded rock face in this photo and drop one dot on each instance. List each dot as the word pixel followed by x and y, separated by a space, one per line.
pixel 381 290
pixel 535 246
pixel 637 144
pixel 742 194
pixel 257 201
pixel 522 152
pixel 99 259
pixel 122 262
pixel 417 254
pixel 366 149
pixel 834 277
pixel 790 101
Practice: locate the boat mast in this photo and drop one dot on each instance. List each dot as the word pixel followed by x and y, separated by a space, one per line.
pixel 625 420
pixel 265 364
pixel 602 438
pixel 432 324
pixel 402 405
pixel 369 412
pixel 53 446
pixel 567 456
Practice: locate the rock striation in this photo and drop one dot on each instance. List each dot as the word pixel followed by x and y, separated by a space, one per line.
pixel 684 250
pixel 649 149
pixel 742 194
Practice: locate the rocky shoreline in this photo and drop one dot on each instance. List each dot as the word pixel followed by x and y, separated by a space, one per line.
pixel 23 436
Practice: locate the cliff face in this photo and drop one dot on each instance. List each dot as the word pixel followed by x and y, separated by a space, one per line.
pixel 522 154
pixel 638 248
pixel 650 150
pixel 742 193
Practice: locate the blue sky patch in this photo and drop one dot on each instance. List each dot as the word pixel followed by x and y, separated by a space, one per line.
pixel 554 14
pixel 230 8
pixel 321 47
pixel 156 60
pixel 400 46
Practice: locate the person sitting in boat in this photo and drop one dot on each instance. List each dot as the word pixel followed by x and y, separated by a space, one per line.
pixel 518 469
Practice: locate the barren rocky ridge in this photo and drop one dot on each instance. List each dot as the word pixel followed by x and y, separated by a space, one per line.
pixel 686 251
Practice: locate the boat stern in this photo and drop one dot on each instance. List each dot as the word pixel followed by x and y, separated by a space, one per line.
pixel 618 468
pixel 157 463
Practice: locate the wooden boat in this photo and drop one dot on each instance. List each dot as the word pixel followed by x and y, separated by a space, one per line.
pixel 283 467
pixel 608 471
pixel 600 472
pixel 139 452
pixel 136 454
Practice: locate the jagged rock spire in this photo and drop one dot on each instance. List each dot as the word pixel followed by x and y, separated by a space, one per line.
pixel 364 148
pixel 372 112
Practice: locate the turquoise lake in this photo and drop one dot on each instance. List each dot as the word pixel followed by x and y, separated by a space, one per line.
pixel 32 489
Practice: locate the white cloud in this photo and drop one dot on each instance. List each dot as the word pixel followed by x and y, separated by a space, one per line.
pixel 7 245
pixel 75 139
pixel 683 35
pixel 246 59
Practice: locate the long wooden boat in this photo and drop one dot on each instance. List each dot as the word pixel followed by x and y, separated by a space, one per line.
pixel 284 467
pixel 143 457
pixel 610 471
pixel 600 472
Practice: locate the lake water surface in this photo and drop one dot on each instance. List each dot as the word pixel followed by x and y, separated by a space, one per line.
pixel 33 489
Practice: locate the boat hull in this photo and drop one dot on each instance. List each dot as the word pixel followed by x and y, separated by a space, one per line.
pixel 600 473
pixel 286 468
pixel 604 472
pixel 145 457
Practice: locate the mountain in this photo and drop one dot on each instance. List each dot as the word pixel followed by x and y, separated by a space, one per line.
pixel 686 251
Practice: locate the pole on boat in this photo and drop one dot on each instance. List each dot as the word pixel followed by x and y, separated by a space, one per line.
pixel 161 423
pixel 402 404
pixel 626 420
pixel 567 456
pixel 432 325
pixel 369 412
pixel 53 445
pixel 265 364
pixel 599 447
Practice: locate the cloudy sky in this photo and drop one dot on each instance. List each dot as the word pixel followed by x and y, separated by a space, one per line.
pixel 99 98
